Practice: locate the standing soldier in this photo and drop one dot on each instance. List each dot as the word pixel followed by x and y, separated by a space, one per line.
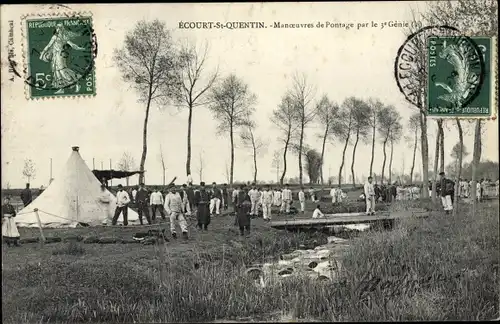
pixel 225 196
pixel 242 205
pixel 105 198
pixel 369 192
pixel 254 199
pixel 175 208
pixel 142 202
pixel 122 201
pixel 446 192
pixel 190 195
pixel 134 195
pixel 277 197
pixel 302 200
pixel 312 194
pixel 10 232
pixel 26 195
pixel 267 202
pixel 286 199
pixel 201 201
pixel 156 201
pixel 216 196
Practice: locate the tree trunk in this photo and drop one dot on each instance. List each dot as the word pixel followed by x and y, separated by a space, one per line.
pixel 163 176
pixel 476 157
pixel 287 142
pixel 254 162
pixel 127 181
pixel 373 146
pixel 145 138
pixel 343 158
pixel 385 159
pixel 459 166
pixel 188 159
pixel 301 142
pixel 436 162
pixel 441 143
pixel 354 158
pixel 323 154
pixel 231 138
pixel 414 156
pixel 424 148
pixel 390 161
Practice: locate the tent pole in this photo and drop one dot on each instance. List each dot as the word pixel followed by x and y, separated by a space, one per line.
pixel 42 237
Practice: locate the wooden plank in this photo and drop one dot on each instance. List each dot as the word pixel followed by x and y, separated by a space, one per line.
pixel 344 220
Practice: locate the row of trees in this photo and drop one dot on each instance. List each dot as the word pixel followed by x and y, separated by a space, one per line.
pixel 164 74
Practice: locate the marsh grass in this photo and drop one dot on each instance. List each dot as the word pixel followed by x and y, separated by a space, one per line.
pixel 439 268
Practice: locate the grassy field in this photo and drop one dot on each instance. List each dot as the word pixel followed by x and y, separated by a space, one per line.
pixel 440 268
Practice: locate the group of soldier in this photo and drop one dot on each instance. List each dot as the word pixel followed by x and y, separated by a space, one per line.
pixel 205 202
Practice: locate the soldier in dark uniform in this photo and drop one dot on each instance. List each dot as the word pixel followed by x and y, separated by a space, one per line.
pixel 26 195
pixel 142 201
pixel 201 202
pixel 243 206
pixel 225 197
pixel 190 195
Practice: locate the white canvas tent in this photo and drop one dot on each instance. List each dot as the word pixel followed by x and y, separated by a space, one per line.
pixel 71 199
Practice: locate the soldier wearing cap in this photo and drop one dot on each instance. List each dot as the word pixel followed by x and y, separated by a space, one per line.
pixel 142 201
pixel 201 202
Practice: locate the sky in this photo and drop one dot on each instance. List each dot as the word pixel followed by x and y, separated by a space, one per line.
pixel 339 62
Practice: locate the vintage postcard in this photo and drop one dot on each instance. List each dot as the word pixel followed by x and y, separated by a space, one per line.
pixel 244 162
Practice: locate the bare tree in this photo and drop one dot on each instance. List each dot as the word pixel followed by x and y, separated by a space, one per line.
pixel 149 62
pixel 226 172
pixel 29 169
pixel 394 137
pixel 277 164
pixel 201 166
pixel 389 119
pixel 361 123
pixel 163 164
pixel 441 144
pixel 302 94
pixel 126 163
pixel 195 87
pixel 284 119
pixel 413 126
pixel 346 122
pixel 327 115
pixel 436 163
pixel 252 143
pixel 231 102
pixel 375 106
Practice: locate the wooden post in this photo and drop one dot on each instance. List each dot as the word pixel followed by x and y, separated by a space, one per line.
pixel 42 237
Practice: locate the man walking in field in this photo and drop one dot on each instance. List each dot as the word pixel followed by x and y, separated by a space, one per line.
pixel 254 199
pixel 175 208
pixel 215 202
pixel 267 202
pixel 142 202
pixel 312 194
pixel 287 199
pixel 447 192
pixel 26 195
pixel 122 201
pixel 369 192
pixel 201 201
pixel 190 195
pixel 302 200
pixel 156 202
pixel 225 196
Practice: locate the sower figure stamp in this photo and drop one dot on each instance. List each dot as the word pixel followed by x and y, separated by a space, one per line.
pixel 460 83
pixel 59 53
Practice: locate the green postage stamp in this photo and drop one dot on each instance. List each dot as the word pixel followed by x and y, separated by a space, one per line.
pixel 59 56
pixel 461 77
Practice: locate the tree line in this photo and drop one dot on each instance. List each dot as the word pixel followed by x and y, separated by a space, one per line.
pixel 164 73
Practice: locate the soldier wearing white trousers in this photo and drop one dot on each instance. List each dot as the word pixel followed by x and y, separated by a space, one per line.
pixel 216 199
pixel 254 200
pixel 286 199
pixel 175 205
pixel 302 200
pixel 266 200
pixel 369 192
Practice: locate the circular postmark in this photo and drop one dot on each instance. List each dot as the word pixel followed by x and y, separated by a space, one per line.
pixel 60 53
pixel 441 63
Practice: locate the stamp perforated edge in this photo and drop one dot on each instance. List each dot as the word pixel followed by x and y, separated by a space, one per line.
pixel 24 48
pixel 493 87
